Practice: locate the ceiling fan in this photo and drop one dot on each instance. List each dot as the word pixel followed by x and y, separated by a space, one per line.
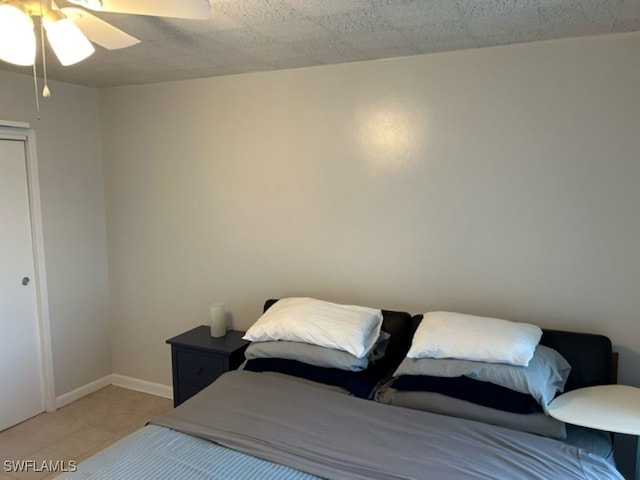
pixel 71 29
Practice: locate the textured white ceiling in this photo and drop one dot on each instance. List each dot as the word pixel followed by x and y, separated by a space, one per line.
pixel 258 35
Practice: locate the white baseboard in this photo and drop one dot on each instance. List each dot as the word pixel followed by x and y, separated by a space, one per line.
pixel 165 391
pixel 144 386
pixel 78 393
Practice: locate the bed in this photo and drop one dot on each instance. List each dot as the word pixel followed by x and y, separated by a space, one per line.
pixel 282 421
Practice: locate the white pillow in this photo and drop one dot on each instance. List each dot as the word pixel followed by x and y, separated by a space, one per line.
pixel 481 339
pixel 343 327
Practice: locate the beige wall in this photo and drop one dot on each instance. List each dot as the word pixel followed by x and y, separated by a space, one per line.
pixel 72 194
pixel 501 182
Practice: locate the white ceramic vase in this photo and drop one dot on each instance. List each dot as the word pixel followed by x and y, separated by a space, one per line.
pixel 217 320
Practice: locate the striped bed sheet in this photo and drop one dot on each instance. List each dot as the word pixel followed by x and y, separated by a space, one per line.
pixel 157 453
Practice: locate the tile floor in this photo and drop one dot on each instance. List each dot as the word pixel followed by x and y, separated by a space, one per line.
pixel 78 430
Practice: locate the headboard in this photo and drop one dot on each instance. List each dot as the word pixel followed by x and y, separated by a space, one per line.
pixel 590 356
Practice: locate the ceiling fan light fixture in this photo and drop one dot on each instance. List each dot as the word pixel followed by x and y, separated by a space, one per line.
pixel 67 41
pixel 17 38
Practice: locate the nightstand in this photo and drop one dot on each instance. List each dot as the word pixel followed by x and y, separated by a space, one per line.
pixel 197 359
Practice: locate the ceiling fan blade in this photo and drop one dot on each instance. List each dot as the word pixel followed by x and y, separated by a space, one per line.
pixel 99 31
pixel 194 9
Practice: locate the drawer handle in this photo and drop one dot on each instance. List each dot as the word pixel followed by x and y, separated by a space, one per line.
pixel 199 370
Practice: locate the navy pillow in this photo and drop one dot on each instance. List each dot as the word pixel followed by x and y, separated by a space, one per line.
pixel 474 391
pixel 361 384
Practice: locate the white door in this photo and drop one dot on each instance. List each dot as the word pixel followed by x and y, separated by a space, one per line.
pixel 21 392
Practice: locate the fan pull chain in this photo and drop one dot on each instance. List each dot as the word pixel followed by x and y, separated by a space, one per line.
pixel 35 87
pixel 45 90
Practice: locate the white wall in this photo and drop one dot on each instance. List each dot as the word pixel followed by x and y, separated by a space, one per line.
pixel 501 182
pixel 72 194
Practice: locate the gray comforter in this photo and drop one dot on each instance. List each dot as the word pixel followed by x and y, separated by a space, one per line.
pixel 336 436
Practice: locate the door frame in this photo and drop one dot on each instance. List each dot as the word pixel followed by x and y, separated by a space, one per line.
pixel 21 132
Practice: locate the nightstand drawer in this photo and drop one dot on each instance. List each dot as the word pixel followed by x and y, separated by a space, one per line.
pixel 199 369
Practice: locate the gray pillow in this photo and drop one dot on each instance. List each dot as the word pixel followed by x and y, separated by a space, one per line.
pixel 538 423
pixel 545 375
pixel 316 355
